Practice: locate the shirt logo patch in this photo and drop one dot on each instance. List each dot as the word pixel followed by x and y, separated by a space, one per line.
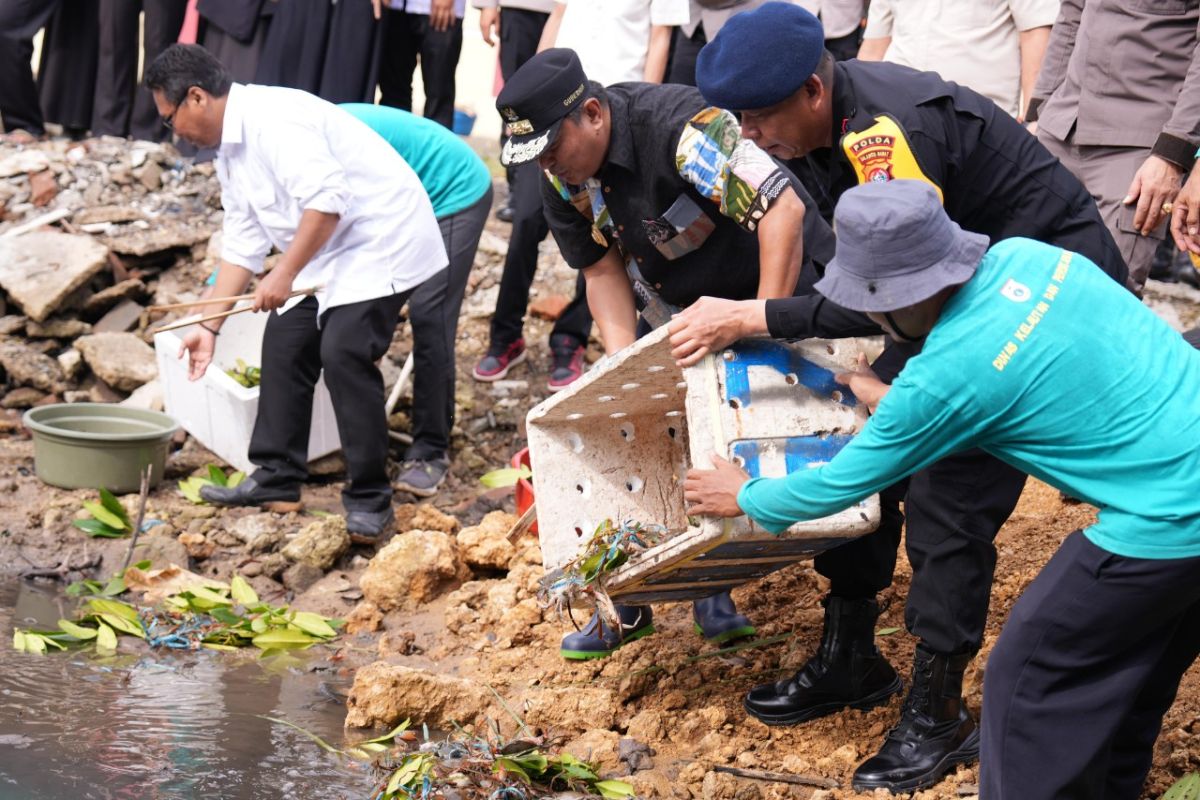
pixel 1017 292
pixel 882 153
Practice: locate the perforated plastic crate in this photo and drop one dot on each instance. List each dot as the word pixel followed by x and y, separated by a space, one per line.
pixel 617 443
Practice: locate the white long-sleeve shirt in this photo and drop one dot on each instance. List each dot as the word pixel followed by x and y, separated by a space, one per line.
pixel 284 151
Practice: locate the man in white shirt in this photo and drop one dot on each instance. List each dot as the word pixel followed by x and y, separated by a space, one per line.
pixel 992 46
pixel 617 40
pixel 429 31
pixel 351 220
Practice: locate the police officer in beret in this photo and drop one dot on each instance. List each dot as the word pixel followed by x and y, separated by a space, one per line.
pixel 846 124
pixel 658 199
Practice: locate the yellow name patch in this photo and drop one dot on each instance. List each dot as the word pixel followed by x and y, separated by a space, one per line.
pixel 882 153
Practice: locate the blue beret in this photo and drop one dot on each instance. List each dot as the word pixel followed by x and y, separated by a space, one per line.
pixel 760 57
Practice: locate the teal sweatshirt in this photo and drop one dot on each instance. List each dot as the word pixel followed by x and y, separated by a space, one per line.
pixel 1043 361
pixel 453 176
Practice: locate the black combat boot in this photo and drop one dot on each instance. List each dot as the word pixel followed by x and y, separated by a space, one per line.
pixel 935 732
pixel 847 670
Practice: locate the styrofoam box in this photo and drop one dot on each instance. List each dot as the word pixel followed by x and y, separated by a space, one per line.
pixel 617 443
pixel 218 410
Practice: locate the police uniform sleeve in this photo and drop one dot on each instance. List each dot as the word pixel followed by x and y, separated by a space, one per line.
pixel 577 238
pixel 731 171
pixel 1179 137
pixel 1058 54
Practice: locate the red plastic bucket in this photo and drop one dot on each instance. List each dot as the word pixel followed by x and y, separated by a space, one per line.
pixel 523 488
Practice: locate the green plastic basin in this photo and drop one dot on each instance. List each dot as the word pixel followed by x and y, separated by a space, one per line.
pixel 94 445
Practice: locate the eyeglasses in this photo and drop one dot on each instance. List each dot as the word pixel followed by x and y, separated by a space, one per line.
pixel 169 120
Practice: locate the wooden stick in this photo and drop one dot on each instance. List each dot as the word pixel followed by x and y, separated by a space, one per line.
pixel 36 222
pixel 143 495
pixel 214 300
pixel 524 523
pixel 780 777
pixel 198 320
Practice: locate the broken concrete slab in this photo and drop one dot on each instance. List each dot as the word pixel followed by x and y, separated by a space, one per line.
pixel 57 329
pixel 105 299
pixel 121 360
pixel 161 234
pixel 22 162
pixel 123 317
pixel 102 214
pixel 39 270
pixel 43 187
pixel 28 367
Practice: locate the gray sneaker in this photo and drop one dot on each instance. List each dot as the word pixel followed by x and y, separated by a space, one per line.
pixel 422 478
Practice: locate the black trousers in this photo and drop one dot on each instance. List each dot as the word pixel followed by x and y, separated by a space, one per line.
pixel 348 343
pixel 20 20
pixel 684 50
pixel 1087 664
pixel 529 228
pixel 407 38
pixel 66 73
pixel 122 106
pixel 520 32
pixel 293 54
pixel 433 314
pixel 954 509
pixel 352 52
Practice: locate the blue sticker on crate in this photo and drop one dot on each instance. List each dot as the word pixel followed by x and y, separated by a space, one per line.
pixel 798 451
pixel 783 360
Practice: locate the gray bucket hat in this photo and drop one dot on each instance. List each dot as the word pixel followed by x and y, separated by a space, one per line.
pixel 896 247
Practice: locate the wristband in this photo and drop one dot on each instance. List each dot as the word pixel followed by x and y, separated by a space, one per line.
pixel 210 330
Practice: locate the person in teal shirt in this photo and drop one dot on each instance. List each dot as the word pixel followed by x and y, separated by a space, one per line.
pixel 1015 362
pixel 460 187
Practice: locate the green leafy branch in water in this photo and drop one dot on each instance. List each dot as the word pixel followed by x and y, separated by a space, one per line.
pixel 190 487
pixel 201 616
pixel 609 548
pixel 111 588
pixel 109 518
pixel 245 375
pixel 1186 788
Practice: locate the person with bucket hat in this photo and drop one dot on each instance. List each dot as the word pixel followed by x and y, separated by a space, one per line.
pixel 1093 651
pixel 842 125
pixel 658 200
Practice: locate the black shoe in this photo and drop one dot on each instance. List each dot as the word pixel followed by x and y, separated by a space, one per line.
pixel 247 493
pixel 846 671
pixel 935 733
pixel 369 527
pixel 504 213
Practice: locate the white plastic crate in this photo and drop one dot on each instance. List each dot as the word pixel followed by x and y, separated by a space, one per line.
pixel 617 443
pixel 218 410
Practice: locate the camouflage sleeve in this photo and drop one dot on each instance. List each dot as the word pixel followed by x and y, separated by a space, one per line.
pixel 731 171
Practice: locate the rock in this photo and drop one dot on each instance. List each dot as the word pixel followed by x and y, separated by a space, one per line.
pixel 77 397
pixel 423 517
pixel 411 569
pixel 647 726
pixel 576 709
pixel 550 307
pixel 365 618
pixel 148 396
pixel 274 565
pixel 57 329
pixel 197 544
pixel 121 360
pixel 384 694
pixel 320 543
pixel 515 625
pixel 101 392
pixel 27 367
pixel 161 550
pixel 43 187
pixel 105 299
pixel 23 161
pixel 164 234
pixel 598 747
pixel 299 577
pixel 150 176
pixel 636 755
pixel 12 324
pixel 39 270
pixel 486 545
pixel 259 532
pixel 123 317
pixel 23 397
pixel 70 361
pixel 99 214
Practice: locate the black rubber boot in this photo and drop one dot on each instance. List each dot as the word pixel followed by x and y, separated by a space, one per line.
pixel 935 733
pixel 846 671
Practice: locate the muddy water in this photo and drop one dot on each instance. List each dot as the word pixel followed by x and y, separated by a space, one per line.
pixel 161 725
